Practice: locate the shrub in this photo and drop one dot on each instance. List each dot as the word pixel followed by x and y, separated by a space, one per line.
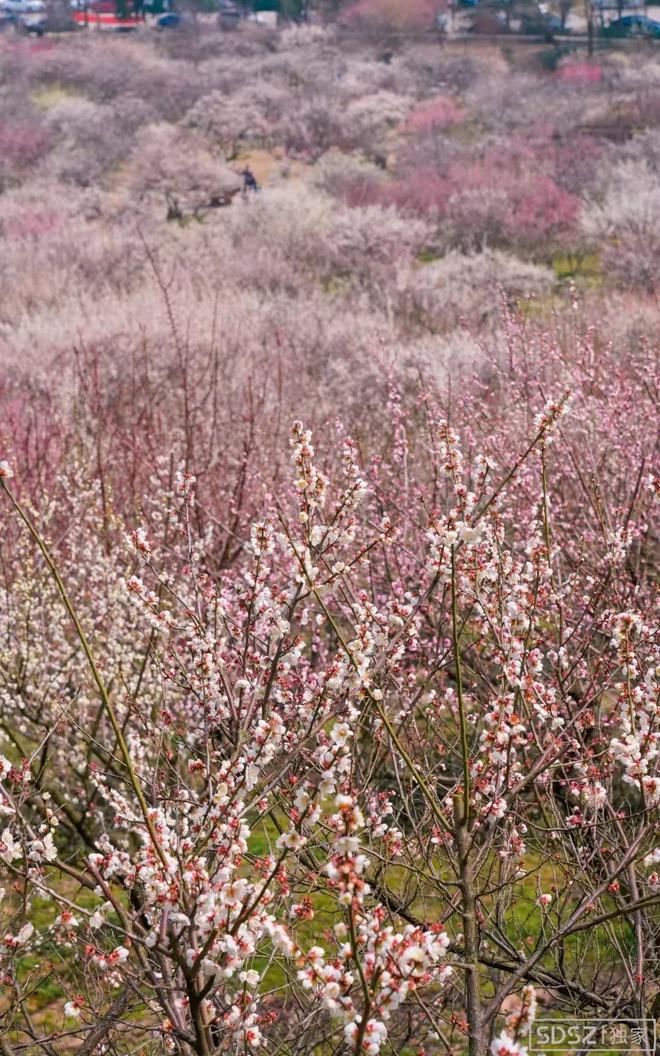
pixel 244 119
pixel 489 201
pixel 91 139
pixel 580 72
pixel 21 145
pixel 106 69
pixel 168 161
pixel 331 242
pixel 374 115
pixel 349 177
pixel 470 287
pixel 625 225
pixel 436 114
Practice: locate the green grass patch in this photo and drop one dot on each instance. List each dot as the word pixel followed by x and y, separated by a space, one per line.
pixel 578 266
pixel 49 96
pixel 428 256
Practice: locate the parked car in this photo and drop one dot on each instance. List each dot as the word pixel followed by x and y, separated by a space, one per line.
pixel 229 14
pixel 35 25
pixel 27 16
pixel 633 26
pixel 488 23
pixel 19 8
pixel 541 24
pixel 174 20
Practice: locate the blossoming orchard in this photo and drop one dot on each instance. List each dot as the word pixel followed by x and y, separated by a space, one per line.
pixel 381 780
pixel 329 717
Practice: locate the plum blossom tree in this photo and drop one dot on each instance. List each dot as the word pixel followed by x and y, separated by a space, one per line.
pixel 332 796
pixel 21 144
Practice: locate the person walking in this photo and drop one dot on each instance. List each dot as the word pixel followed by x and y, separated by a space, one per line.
pixel 249 181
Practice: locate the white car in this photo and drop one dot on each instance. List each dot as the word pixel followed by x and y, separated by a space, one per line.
pixel 24 7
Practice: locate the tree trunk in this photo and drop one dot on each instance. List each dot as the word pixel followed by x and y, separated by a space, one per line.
pixel 476 1042
pixel 590 27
